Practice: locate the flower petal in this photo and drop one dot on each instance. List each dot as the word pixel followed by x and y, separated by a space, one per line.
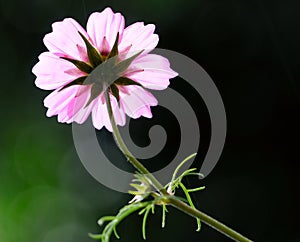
pixel 100 115
pixel 103 28
pixel 65 40
pixel 68 103
pixel 53 72
pixel 83 113
pixel 138 37
pixel 136 101
pixel 152 71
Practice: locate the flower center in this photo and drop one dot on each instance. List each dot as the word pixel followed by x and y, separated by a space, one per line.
pixel 103 71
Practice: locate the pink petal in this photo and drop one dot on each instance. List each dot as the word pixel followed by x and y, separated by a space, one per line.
pixel 68 103
pixel 136 102
pixel 100 115
pixel 65 40
pixel 138 37
pixel 103 28
pixel 155 73
pixel 53 72
pixel 83 113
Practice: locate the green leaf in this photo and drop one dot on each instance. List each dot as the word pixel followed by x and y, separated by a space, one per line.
pixel 188 197
pixel 196 189
pixel 115 91
pixel 148 208
pixel 164 210
pixel 95 236
pixel 104 219
pixel 174 181
pixel 80 65
pixel 138 187
pixel 124 81
pixel 95 92
pixel 123 65
pixel 77 81
pixel 134 193
pixel 113 221
pixel 116 233
pixel 95 57
pixel 114 51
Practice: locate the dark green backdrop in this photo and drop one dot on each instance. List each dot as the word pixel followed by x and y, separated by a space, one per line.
pixel 250 49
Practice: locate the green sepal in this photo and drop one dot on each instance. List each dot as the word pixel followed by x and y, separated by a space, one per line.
pixel 115 92
pixel 138 187
pixel 134 193
pixel 77 81
pixel 114 51
pixel 124 81
pixel 95 92
pixel 80 65
pixel 95 57
pixel 122 66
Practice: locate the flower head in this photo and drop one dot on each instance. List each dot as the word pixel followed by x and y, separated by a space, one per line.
pixel 81 64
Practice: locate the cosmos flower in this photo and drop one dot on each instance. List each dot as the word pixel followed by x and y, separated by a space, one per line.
pixel 81 64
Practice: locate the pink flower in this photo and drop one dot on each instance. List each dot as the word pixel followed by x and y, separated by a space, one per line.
pixel 74 53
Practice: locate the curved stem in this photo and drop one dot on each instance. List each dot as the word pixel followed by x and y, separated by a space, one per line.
pixel 118 139
pixel 215 224
pixel 168 199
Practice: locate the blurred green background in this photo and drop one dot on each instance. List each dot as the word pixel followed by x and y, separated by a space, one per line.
pixel 250 49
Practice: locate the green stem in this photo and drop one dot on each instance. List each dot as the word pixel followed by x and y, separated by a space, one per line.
pixel 168 199
pixel 117 136
pixel 215 224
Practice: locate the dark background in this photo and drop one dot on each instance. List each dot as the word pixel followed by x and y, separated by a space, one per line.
pixel 251 51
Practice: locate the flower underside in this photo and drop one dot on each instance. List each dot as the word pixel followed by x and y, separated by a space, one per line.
pixel 103 71
pixel 81 65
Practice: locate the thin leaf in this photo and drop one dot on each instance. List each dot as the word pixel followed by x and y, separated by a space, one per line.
pixel 163 220
pixel 134 193
pixel 104 219
pixel 188 197
pixel 196 189
pixel 145 221
pixel 95 236
pixel 142 211
pixel 116 233
pixel 138 187
pixel 152 208
pixel 172 183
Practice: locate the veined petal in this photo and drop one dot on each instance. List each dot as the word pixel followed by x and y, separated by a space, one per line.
pixel 138 37
pixel 65 41
pixel 152 71
pixel 78 103
pixel 136 101
pixel 100 115
pixel 67 103
pixel 53 72
pixel 83 113
pixel 103 28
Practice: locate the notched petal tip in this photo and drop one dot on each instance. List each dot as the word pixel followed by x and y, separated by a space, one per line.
pixel 103 27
